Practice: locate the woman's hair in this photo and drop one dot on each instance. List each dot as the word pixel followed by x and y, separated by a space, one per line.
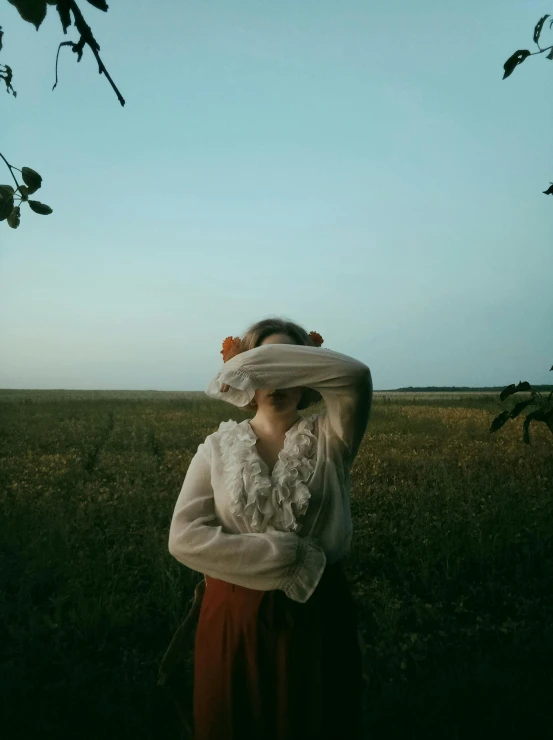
pixel 259 331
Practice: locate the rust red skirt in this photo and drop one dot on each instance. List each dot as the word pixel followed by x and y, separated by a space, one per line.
pixel 269 668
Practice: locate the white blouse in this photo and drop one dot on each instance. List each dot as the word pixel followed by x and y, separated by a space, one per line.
pixel 235 522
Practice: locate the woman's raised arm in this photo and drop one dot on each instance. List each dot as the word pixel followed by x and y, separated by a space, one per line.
pixel 344 383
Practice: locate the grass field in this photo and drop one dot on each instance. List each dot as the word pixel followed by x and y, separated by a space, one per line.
pixel 451 566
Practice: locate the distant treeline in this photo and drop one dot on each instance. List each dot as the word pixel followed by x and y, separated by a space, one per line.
pixel 458 389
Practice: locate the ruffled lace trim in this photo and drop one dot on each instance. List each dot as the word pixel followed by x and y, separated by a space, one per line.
pixel 269 502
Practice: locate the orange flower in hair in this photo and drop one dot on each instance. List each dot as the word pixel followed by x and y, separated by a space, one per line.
pixel 231 346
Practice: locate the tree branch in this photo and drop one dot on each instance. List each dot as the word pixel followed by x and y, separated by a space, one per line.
pixel 86 38
pixel 547 48
pixel 63 43
pixel 10 168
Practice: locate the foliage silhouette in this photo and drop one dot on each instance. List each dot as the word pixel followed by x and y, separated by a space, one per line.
pixel 34 11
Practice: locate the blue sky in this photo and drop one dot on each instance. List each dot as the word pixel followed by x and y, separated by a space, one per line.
pixel 360 168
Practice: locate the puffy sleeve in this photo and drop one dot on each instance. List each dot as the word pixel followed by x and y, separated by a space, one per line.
pixel 344 383
pixel 262 561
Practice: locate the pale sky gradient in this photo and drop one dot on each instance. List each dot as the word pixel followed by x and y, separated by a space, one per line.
pixel 358 167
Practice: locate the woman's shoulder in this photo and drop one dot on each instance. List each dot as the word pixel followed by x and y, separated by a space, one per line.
pixel 226 428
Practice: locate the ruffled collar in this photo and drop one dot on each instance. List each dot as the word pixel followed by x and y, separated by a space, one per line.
pixel 269 502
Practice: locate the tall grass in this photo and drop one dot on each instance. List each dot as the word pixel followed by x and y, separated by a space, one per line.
pixel 451 564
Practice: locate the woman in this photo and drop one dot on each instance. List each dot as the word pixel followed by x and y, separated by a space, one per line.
pixel 264 513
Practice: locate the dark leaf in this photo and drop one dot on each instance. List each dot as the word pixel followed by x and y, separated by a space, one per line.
pixel 538 28
pixel 65 16
pixel 536 416
pixel 510 389
pixel 506 392
pixel 549 190
pixel 6 207
pixel 520 406
pixel 6 191
pixel 6 201
pixel 499 420
pixel 31 178
pixel 100 4
pixel 6 74
pixel 551 368
pixel 13 218
pixel 33 11
pixel 1 34
pixel 78 48
pixel 41 208
pixel 24 190
pixel 517 58
pixel 550 55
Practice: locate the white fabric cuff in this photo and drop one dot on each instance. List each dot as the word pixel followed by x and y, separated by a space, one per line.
pixel 308 569
pixel 241 389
